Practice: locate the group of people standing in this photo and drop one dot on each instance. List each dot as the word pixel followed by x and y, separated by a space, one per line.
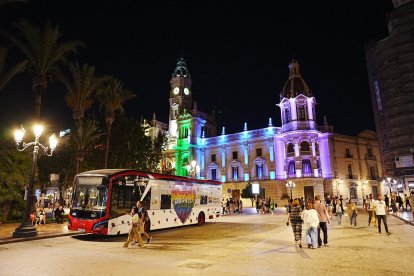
pixel 317 215
pixel 395 202
pixel 314 218
pixel 38 216
pixel 264 205
pixel 232 205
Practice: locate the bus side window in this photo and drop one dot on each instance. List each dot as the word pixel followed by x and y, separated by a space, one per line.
pixel 165 202
pixel 122 198
pixel 203 199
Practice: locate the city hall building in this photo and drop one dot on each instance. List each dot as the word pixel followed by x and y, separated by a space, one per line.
pixel 313 157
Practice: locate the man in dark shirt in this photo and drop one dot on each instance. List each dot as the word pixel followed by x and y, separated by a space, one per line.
pixel 59 212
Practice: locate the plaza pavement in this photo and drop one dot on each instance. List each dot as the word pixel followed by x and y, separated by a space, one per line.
pixel 248 244
pixel 52 230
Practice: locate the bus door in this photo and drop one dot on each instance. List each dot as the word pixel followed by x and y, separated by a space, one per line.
pixel 155 196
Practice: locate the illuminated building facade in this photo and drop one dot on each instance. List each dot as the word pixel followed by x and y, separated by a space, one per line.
pixel 315 158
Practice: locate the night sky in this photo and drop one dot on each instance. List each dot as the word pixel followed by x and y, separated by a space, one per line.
pixel 237 53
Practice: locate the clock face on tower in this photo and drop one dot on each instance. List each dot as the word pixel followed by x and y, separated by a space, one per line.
pixel 186 91
pixel 176 90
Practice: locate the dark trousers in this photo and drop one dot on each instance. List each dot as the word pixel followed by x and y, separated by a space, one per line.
pixel 324 228
pixel 383 218
pixel 59 219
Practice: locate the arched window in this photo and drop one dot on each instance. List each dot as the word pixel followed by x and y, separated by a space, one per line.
pixel 291 148
pixel 304 147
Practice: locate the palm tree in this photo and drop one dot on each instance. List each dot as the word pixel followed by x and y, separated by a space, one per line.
pixel 44 51
pixel 81 88
pixel 6 76
pixel 112 98
pixel 84 135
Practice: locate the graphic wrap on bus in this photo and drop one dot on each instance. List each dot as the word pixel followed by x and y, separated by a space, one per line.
pixel 102 201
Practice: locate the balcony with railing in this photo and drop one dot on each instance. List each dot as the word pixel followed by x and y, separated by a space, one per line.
pixel 351 176
pixel 372 177
pixel 349 155
pixel 371 157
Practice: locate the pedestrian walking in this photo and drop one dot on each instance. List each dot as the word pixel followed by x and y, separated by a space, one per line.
pixel 371 214
pixel 394 203
pixel 143 215
pixel 380 211
pixel 387 204
pixel 328 202
pixel 365 203
pixel 223 205
pixel 295 219
pixel 134 233
pixel 339 212
pixel 310 223
pixel 323 220
pixel 407 202
pixel 352 213
pixel 412 201
pixel 241 206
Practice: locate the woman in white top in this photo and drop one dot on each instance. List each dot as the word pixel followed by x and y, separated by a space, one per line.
pixel 310 223
pixel 339 212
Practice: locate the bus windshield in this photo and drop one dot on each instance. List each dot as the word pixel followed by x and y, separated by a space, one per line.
pixel 90 193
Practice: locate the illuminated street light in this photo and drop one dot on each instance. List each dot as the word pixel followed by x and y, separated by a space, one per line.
pixel 27 229
pixel 290 185
pixel 389 182
pixel 193 169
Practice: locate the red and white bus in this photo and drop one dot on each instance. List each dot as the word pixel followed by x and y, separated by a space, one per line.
pixel 102 200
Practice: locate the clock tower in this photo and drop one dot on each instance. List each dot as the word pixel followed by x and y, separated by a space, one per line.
pixel 180 93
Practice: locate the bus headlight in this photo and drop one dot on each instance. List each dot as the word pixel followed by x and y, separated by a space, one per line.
pixel 100 225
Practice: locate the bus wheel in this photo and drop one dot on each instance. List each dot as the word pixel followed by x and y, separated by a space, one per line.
pixel 201 219
pixel 147 226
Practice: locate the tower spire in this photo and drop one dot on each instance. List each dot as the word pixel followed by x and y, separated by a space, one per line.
pixel 181 68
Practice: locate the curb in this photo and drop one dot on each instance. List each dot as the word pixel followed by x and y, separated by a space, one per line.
pixel 14 240
pixel 406 221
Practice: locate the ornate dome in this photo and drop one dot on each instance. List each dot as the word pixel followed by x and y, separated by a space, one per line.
pixel 295 85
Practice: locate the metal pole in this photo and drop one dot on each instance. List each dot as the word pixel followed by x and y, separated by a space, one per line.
pixel 27 229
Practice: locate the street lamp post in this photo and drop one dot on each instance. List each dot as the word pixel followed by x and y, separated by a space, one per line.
pixel 193 169
pixel 27 229
pixel 290 185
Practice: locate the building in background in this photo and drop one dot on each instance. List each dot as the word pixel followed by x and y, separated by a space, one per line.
pixel 315 158
pixel 390 64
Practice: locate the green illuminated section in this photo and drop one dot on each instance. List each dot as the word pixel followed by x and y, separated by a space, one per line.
pixel 183 153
